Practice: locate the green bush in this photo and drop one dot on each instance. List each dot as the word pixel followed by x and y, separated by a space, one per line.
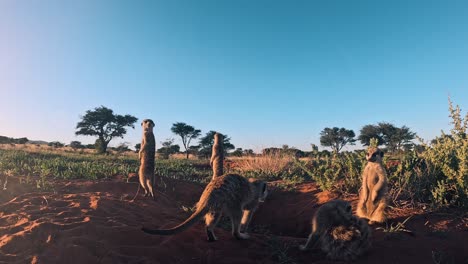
pixel 448 156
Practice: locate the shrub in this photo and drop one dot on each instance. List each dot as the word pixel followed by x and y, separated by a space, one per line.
pixel 448 155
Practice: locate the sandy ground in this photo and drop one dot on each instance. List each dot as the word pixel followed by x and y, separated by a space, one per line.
pixel 97 222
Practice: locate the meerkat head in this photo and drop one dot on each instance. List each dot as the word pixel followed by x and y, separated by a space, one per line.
pixel 147 125
pixel 260 188
pixel 218 137
pixel 374 155
pixel 343 210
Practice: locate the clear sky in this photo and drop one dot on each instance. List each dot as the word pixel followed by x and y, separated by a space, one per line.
pixel 266 73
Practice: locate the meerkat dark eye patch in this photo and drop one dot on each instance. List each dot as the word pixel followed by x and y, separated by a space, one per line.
pixel 264 188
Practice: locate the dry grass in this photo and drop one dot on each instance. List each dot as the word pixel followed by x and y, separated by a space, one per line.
pixel 272 164
pixel 42 148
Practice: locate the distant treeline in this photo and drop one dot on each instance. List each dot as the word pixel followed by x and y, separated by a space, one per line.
pixel 8 140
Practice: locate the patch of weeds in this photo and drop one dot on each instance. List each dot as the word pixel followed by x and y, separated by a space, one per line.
pixel 188 209
pixel 286 186
pixel 280 250
pixel 393 231
pixel 43 184
pixel 441 257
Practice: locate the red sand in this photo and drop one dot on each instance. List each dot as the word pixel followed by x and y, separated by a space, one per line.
pixel 96 222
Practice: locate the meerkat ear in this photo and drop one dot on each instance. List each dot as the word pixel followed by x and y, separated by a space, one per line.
pixel 152 123
pixel 141 123
pixel 264 187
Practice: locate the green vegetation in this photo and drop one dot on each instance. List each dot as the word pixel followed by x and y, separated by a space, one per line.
pixel 186 133
pixel 103 123
pixel 435 173
pixel 46 165
pixel 336 138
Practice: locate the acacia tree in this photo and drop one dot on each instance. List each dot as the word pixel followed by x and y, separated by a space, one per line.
pixel 103 123
pixel 186 133
pixel 395 138
pixel 336 138
pixel 206 144
pixel 168 148
pixel 369 132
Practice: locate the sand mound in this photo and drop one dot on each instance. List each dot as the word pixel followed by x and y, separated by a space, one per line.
pixel 97 222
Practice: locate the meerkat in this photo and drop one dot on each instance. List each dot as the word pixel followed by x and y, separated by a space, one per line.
pixel 217 156
pixel 346 243
pixel 373 195
pixel 331 214
pixel 229 194
pixel 146 156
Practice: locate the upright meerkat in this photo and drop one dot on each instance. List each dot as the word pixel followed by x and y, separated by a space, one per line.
pixel 373 195
pixel 331 214
pixel 217 155
pixel 146 157
pixel 231 194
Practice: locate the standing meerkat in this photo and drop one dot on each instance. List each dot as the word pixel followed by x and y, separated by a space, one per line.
pixel 331 214
pixel 217 155
pixel 229 194
pixel 146 156
pixel 373 195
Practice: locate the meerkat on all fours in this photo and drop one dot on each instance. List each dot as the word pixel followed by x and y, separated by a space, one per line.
pixel 373 195
pixel 330 214
pixel 229 194
pixel 217 155
pixel 347 242
pixel 337 232
pixel 146 156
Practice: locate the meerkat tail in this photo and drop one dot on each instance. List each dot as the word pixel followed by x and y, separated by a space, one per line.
pixel 196 216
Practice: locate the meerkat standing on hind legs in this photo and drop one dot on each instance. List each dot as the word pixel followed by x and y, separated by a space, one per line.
pixel 217 155
pixel 146 157
pixel 229 194
pixel 373 195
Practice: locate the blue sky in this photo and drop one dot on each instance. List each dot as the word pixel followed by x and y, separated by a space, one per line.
pixel 266 73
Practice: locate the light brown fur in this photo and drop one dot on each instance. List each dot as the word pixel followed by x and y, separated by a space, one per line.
pixel 330 214
pixel 146 157
pixel 373 195
pixel 217 156
pixel 229 194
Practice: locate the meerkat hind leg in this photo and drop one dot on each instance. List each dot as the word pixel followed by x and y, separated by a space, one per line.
pixel 246 217
pixel 236 217
pixel 149 185
pixel 211 220
pixel 379 213
pixel 311 242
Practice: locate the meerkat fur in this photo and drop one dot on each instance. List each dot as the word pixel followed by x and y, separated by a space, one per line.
pixel 146 156
pixel 373 195
pixel 330 214
pixel 229 194
pixel 346 243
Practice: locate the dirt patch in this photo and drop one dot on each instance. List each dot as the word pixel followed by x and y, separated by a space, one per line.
pixel 96 222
